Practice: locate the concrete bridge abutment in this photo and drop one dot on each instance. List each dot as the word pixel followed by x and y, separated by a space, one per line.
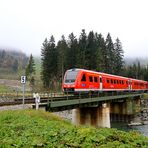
pixel 92 116
pixel 122 110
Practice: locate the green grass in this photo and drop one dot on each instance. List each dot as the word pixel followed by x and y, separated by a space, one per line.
pixel 146 96
pixel 4 88
pixel 30 128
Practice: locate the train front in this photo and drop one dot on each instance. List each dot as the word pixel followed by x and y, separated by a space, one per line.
pixel 69 82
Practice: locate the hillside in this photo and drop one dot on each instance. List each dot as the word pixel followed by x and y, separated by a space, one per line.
pixel 12 63
pixel 30 128
pixel 130 61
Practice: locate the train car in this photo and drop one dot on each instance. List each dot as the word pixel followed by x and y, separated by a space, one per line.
pixel 81 80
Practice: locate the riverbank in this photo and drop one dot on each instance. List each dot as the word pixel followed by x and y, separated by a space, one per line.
pixel 144 110
pixel 31 128
pixel 142 117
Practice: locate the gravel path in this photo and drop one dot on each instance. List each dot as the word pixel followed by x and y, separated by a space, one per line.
pixel 16 107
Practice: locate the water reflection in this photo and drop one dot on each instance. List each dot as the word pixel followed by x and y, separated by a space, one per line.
pixel 143 129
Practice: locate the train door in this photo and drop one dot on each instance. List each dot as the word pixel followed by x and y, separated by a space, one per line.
pixel 130 84
pixel 101 85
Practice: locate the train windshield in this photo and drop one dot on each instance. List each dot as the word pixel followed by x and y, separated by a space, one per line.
pixel 71 76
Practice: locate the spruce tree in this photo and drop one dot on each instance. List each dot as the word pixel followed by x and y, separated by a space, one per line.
pixel 30 71
pixel 101 54
pixel 118 57
pixel 72 51
pixel 91 52
pixel 49 62
pixel 81 59
pixel 62 48
pixel 110 55
pixel 45 63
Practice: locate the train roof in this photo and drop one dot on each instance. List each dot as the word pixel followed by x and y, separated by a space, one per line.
pixel 77 69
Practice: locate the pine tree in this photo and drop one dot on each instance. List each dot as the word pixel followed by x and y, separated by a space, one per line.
pixel 145 73
pixel 15 65
pixel 72 51
pixel 118 57
pixel 81 59
pixel 91 52
pixel 110 55
pixel 62 48
pixel 30 71
pixel 44 63
pixel 101 54
pixel 49 62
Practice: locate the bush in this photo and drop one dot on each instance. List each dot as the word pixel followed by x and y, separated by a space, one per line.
pixel 30 128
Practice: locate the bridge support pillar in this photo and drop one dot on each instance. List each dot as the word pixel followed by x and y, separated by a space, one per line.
pixel 103 115
pixel 76 116
pixel 92 116
pixel 123 110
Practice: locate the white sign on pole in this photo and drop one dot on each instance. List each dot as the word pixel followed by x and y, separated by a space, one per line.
pixel 23 79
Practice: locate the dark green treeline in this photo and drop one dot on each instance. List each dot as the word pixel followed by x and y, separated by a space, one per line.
pixel 90 51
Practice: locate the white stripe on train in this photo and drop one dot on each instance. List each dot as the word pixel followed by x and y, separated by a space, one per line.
pixel 108 89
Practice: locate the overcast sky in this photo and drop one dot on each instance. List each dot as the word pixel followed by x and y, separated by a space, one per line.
pixel 24 24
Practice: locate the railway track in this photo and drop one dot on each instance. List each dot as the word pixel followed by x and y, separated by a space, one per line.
pixel 42 99
pixel 46 99
pixel 32 100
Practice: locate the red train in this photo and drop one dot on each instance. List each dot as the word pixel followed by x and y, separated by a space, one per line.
pixel 81 80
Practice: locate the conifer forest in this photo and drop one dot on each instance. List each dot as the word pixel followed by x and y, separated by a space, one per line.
pixel 89 51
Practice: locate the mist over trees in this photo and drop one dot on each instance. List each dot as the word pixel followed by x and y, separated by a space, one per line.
pixel 88 50
pixel 12 60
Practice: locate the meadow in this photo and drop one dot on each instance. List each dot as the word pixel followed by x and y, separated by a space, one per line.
pixel 30 128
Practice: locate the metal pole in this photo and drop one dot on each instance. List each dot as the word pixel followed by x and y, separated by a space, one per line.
pixel 23 95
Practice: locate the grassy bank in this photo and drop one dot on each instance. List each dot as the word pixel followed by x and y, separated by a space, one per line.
pixel 3 88
pixel 28 128
pixel 146 96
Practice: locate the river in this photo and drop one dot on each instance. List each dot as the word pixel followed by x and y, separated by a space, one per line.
pixel 143 129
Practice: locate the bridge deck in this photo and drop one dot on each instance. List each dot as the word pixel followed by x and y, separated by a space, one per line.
pixel 72 103
pixel 89 100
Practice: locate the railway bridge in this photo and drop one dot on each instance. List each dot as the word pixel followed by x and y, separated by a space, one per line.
pixel 97 110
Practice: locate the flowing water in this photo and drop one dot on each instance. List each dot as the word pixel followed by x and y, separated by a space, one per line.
pixel 143 129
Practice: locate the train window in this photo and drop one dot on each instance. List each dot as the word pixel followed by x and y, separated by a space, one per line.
pixel 83 78
pixel 111 81
pixel 71 76
pixel 115 81
pixel 122 82
pixel 90 79
pixel 95 79
pixel 107 80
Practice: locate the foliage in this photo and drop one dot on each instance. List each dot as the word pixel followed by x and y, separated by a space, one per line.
pixel 90 51
pixel 3 88
pixel 28 128
pixel 12 60
pixel 137 71
pixel 30 71
pixel 49 61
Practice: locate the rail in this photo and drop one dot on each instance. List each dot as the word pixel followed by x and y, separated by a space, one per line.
pixel 60 99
